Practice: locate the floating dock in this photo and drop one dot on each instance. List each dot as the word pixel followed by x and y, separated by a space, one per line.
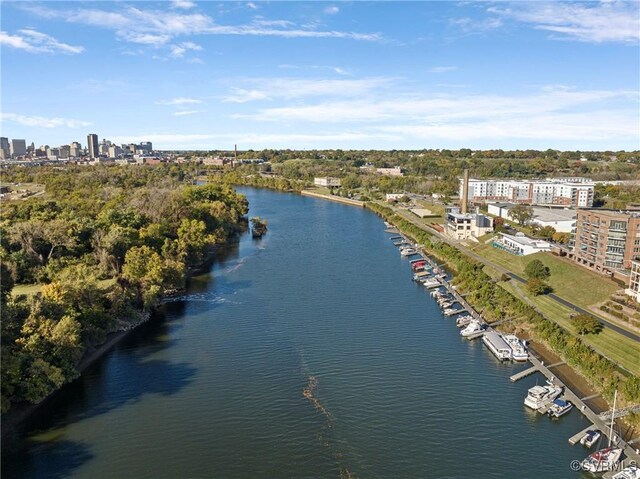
pixel 576 437
pixel 523 374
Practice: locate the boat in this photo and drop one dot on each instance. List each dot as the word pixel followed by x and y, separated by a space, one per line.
pixel 421 275
pixel 518 350
pixel 408 251
pixel 590 438
pixel 629 472
pixel 463 321
pixel 606 459
pixel 540 396
pixel 452 312
pixel 603 460
pixel 432 283
pixel 494 342
pixel 559 408
pixel 472 328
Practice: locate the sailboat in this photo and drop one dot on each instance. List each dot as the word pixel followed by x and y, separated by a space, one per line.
pixel 608 458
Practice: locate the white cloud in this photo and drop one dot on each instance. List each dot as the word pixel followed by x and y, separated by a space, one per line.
pixel 178 50
pixel 179 101
pixel 252 6
pixel 470 26
pixel 292 88
pixel 605 21
pixel 33 41
pixel 442 69
pixel 240 95
pixel 187 112
pixel 39 121
pixel 332 10
pixel 184 4
pixel 157 27
pixel 144 38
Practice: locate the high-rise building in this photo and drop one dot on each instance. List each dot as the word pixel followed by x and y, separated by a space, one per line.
pixel 146 147
pixel 606 240
pixel 18 148
pixel 92 145
pixel 65 152
pixel 75 151
pixel 114 151
pixel 4 148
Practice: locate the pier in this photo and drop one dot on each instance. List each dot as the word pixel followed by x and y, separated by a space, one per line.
pixel 600 422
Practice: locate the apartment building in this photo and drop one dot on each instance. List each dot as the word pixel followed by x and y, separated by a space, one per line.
pixel 561 191
pixel 634 284
pixel 606 240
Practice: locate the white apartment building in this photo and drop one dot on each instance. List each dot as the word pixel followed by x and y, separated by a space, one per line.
pixel 327 181
pixel 552 191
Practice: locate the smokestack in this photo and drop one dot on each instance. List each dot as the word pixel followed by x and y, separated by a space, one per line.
pixel 235 153
pixel 465 191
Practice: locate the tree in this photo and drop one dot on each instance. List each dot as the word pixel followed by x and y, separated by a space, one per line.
pixel 547 232
pixel 498 224
pixel 536 269
pixel 521 213
pixel 537 287
pixel 562 238
pixel 586 324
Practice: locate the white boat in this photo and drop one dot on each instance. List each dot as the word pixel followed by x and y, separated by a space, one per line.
pixel 463 321
pixel 472 328
pixel 432 283
pixel 518 350
pixel 452 312
pixel 540 396
pixel 408 251
pixel 630 472
pixel 497 345
pixel 559 408
pixel 606 459
pixel 590 438
pixel 603 460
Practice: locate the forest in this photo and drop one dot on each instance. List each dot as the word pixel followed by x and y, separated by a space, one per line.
pixel 93 255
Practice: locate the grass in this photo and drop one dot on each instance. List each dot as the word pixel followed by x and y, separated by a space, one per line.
pixel 568 280
pixel 618 348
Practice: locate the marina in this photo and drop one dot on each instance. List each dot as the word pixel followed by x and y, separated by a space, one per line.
pixel 553 399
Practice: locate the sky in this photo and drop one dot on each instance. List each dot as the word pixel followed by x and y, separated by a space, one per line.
pixel 304 75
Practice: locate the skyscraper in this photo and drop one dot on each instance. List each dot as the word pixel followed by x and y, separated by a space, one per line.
pixel 4 148
pixel 92 145
pixel 18 148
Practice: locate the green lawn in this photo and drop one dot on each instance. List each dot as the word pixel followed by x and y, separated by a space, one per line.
pixel 568 280
pixel 620 349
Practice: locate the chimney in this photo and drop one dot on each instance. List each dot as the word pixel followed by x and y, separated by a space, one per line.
pixel 465 191
pixel 235 153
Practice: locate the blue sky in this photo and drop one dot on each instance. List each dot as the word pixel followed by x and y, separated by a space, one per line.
pixel 207 75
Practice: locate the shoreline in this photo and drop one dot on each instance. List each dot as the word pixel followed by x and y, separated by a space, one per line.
pixel 20 413
pixel 337 199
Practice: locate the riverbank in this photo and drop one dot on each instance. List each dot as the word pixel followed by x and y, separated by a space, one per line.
pixel 19 413
pixel 337 199
pixel 496 304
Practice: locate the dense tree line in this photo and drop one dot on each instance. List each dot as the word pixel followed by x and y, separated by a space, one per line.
pixel 496 303
pixel 104 244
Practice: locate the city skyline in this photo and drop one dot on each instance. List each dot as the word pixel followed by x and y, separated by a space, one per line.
pixel 187 75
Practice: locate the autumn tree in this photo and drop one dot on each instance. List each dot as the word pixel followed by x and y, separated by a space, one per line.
pixel 523 214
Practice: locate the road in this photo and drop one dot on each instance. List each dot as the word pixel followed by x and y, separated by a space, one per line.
pixel 501 269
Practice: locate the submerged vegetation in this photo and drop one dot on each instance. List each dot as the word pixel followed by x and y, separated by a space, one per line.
pixel 102 246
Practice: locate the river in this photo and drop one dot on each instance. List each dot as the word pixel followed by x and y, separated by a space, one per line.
pixel 307 354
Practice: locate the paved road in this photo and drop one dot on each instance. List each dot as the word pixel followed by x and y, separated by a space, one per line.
pixel 501 269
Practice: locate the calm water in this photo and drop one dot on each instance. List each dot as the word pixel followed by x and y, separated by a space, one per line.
pixel 307 354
